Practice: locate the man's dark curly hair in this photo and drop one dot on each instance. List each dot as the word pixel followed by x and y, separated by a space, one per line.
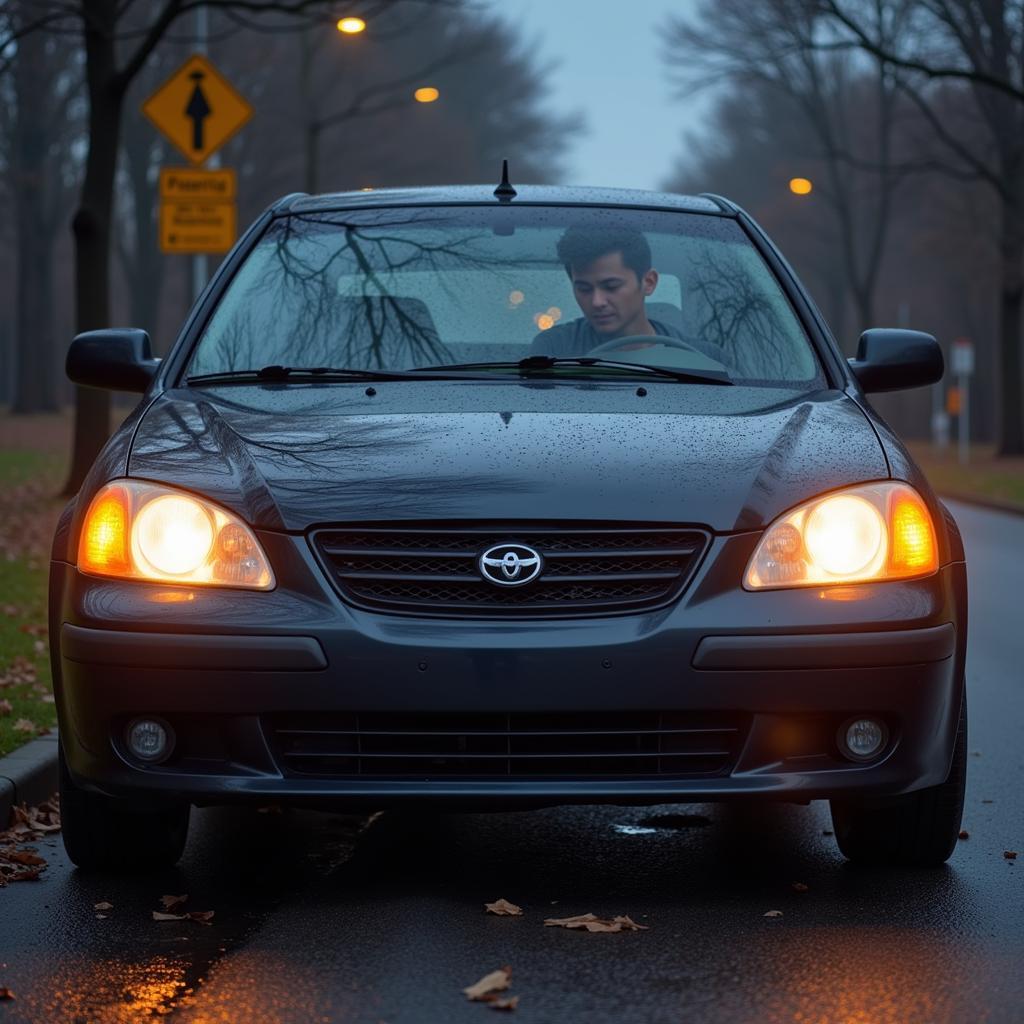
pixel 580 246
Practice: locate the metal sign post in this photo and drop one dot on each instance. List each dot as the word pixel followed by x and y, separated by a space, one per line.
pixel 963 367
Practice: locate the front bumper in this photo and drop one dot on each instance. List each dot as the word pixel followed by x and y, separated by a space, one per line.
pixel 787 666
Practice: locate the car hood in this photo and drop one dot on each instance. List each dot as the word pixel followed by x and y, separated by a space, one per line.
pixel 287 457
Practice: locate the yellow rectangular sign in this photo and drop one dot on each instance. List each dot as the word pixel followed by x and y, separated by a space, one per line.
pixel 185 184
pixel 197 227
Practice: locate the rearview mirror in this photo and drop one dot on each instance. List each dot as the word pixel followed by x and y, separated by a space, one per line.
pixel 118 358
pixel 890 359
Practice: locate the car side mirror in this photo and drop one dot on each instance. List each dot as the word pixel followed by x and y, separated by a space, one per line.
pixel 118 358
pixel 890 359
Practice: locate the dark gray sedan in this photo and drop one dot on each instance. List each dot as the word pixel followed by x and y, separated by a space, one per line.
pixel 497 499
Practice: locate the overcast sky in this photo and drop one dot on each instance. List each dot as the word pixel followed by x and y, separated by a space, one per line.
pixel 609 67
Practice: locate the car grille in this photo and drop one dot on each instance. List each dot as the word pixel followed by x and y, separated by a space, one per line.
pixel 619 744
pixel 588 570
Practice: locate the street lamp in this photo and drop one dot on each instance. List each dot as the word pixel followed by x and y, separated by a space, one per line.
pixel 351 26
pixel 426 94
pixel 800 186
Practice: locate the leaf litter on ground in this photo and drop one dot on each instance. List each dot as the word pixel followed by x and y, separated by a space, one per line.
pixel 486 989
pixel 503 908
pixel 18 861
pixel 593 923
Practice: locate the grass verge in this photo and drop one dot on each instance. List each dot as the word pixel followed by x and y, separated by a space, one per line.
pixel 33 459
pixel 984 478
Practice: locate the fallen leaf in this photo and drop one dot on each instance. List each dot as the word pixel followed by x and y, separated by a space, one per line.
pixel 170 902
pixel 24 857
pixel 102 917
pixel 202 916
pixel 24 725
pixel 496 981
pixel 592 923
pixel 774 913
pixel 160 916
pixel 827 832
pixel 40 646
pixel 497 1003
pixel 103 906
pixel 1010 854
pixel 800 887
pixel 6 707
pixel 988 801
pixel 963 834
pixel 503 908
pixel 5 992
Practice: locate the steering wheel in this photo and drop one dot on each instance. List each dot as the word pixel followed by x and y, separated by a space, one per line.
pixel 632 339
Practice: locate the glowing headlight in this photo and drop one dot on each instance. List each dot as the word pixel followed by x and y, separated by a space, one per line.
pixel 879 531
pixel 136 530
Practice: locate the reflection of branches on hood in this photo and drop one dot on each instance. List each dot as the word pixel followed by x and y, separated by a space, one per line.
pixel 740 318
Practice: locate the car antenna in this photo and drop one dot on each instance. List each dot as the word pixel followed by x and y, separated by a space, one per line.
pixel 505 192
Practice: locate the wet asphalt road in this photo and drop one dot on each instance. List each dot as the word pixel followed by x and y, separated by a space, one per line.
pixel 326 918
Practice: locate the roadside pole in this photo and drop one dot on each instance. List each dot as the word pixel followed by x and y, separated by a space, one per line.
pixel 963 367
pixel 200 271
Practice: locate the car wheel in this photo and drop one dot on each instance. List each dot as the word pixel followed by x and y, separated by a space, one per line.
pixel 916 829
pixel 103 833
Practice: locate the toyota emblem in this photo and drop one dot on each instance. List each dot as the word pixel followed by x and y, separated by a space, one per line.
pixel 510 565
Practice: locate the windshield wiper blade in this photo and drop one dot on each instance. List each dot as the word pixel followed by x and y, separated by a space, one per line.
pixel 281 373
pixel 552 362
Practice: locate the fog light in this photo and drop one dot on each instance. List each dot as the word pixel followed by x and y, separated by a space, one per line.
pixel 149 740
pixel 861 739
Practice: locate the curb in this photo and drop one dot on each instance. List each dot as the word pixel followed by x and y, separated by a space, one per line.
pixel 28 775
pixel 990 504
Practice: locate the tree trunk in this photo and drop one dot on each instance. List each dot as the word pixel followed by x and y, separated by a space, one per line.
pixel 35 382
pixel 1011 383
pixel 91 226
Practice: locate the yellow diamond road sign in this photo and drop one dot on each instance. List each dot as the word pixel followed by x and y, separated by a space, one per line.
pixel 197 109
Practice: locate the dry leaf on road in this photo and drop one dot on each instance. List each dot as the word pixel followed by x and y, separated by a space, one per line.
pixel 170 902
pixel 592 923
pixel 800 887
pixel 1010 854
pixel 503 908
pixel 5 992
pixel 24 857
pixel 774 913
pixel 199 916
pixel 496 981
pixel 103 906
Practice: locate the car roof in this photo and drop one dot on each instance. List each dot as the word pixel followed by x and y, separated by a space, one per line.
pixel 474 195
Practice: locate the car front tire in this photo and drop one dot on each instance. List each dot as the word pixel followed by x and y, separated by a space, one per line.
pixel 913 830
pixel 102 833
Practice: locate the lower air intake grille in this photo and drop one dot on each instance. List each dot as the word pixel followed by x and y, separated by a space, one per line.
pixel 607 745
pixel 435 570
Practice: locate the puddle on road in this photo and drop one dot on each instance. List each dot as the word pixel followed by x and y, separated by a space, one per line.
pixel 654 823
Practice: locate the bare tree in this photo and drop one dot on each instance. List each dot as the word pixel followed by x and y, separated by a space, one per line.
pixel 114 56
pixel 850 108
pixel 41 120
pixel 978 46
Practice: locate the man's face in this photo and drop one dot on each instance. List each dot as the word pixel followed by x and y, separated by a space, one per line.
pixel 611 296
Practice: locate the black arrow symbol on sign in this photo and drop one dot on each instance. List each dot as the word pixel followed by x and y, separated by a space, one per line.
pixel 198 110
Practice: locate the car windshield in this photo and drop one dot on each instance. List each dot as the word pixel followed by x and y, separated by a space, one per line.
pixel 410 288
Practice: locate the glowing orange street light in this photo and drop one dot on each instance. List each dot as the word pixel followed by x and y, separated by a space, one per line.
pixel 351 26
pixel 800 186
pixel 426 94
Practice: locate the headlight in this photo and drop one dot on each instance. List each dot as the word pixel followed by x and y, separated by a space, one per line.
pixel 872 532
pixel 142 531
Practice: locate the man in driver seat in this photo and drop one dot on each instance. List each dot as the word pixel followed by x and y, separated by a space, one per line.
pixel 611 275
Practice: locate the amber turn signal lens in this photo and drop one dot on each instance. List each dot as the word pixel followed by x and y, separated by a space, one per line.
pixel 104 546
pixel 912 540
